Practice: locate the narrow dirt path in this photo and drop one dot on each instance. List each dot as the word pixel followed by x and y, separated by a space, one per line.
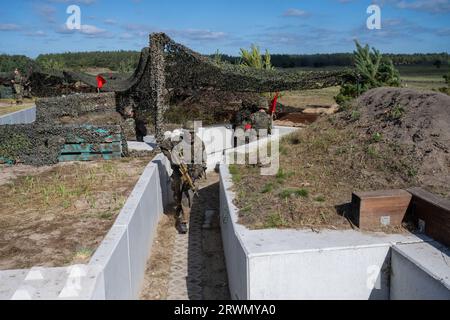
pixel 192 266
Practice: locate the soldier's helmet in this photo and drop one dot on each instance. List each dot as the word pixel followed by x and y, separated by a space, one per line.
pixel 263 103
pixel 189 126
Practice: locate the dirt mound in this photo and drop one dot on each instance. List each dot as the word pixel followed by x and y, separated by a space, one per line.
pixel 418 120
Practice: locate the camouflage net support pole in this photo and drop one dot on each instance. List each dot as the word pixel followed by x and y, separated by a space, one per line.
pixel 158 83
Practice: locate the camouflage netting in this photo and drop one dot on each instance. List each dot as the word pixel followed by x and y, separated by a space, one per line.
pixel 71 109
pixel 166 69
pixel 185 70
pixel 40 144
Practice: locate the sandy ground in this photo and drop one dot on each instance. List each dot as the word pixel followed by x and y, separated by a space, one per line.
pixel 213 282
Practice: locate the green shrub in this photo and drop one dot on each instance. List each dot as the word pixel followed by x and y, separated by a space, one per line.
pixel 268 187
pixel 376 137
pixel 274 221
pixel 302 193
pixel 397 112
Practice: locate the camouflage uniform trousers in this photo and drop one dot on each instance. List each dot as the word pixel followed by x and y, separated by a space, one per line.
pixel 261 121
pixel 18 88
pixel 183 196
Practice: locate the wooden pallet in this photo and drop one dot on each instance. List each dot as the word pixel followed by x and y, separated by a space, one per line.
pixel 76 149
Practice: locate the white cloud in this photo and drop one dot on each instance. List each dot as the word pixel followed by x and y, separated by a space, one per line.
pixel 110 21
pixel 86 2
pixel 198 35
pixel 433 6
pixel 9 27
pixel 295 13
pixel 38 33
pixel 86 29
pixel 91 30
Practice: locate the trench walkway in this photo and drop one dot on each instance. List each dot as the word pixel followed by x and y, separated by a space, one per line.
pixel 192 267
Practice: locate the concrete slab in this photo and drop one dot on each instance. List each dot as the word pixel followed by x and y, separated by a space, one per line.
pixel 420 271
pixel 10 281
pixel 140 146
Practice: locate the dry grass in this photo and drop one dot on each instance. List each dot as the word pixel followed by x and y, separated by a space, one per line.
pixel 303 99
pixel 320 167
pixel 59 216
pixel 158 268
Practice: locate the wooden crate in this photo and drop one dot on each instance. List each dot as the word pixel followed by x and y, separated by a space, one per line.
pixel 76 150
pixel 380 208
pixel 431 213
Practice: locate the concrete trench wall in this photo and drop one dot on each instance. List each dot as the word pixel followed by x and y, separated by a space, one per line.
pixel 19 117
pixel 116 270
pixel 301 264
pixel 125 250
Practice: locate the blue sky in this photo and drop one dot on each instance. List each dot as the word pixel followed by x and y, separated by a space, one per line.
pixel 282 26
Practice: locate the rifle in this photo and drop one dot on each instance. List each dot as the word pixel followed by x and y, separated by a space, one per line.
pixel 186 177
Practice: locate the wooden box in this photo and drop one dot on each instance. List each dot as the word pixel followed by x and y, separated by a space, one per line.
pixel 431 213
pixel 380 208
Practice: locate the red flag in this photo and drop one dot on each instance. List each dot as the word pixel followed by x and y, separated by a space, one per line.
pixel 100 82
pixel 248 126
pixel 274 104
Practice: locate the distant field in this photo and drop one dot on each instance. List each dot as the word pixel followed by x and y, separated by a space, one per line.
pixel 423 77
pixel 418 77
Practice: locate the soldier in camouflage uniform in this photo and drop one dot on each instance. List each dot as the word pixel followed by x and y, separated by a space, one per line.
pixel 18 86
pixel 174 149
pixel 261 120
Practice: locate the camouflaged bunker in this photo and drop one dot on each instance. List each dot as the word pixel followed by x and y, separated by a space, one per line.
pixel 63 129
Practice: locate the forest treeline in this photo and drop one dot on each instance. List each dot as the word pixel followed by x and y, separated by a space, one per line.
pixel 126 61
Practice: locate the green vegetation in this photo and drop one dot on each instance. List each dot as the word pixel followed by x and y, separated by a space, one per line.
pixel 218 57
pixel 372 71
pixel 267 188
pixel 356 114
pixel 447 78
pixel 113 60
pixel 51 64
pixel 397 112
pixel 253 58
pixel 8 63
pixel 287 193
pixel 376 137
pixel 235 173
pixel 274 220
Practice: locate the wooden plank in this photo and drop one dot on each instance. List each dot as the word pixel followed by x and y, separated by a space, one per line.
pixel 107 139
pixel 89 157
pixel 380 208
pixel 92 148
pixel 432 213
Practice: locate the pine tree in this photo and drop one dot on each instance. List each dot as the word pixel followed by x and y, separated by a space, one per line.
pixel 253 58
pixel 372 70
